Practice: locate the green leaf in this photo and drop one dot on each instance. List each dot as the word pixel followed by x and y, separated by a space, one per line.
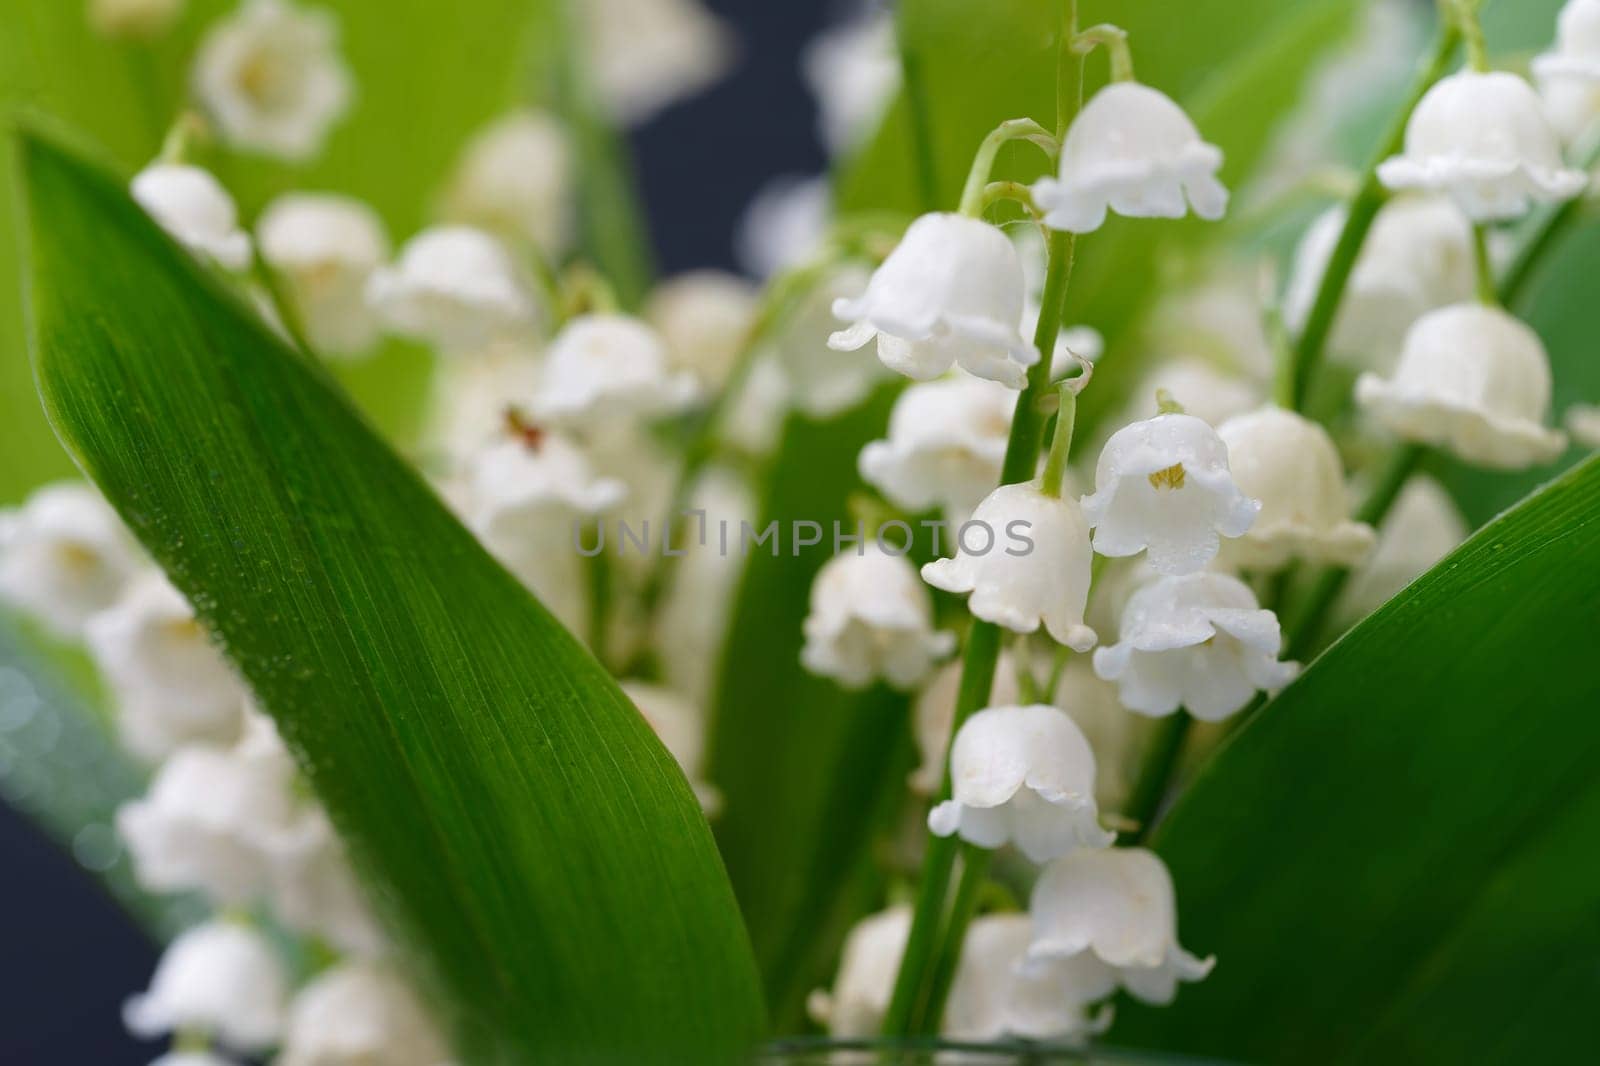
pixel 806 767
pixel 529 835
pixel 1394 862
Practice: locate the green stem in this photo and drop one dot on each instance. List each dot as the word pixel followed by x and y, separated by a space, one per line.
pixel 1156 773
pixel 1466 18
pixel 1487 292
pixel 920 121
pixel 1115 41
pixel 1069 72
pixel 1055 468
pixel 975 864
pixel 973 192
pixel 1016 191
pixel 1359 215
pixel 978 663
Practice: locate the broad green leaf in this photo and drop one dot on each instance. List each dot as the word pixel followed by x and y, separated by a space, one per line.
pixel 529 835
pixel 805 766
pixel 1394 862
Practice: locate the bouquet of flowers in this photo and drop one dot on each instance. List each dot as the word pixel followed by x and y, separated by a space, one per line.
pixel 1104 508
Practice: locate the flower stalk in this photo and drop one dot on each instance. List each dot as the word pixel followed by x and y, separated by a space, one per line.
pixel 974 193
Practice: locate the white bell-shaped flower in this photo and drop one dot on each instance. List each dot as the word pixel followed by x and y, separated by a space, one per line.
pixel 356 1014
pixel 785 225
pixel 647 54
pixel 1132 150
pixel 1583 422
pixel 950 293
pixel 682 729
pixel 195 210
pixel 454 287
pixel 64 555
pixel 1024 559
pixel 946 444
pixel 1022 775
pixel 823 381
pixel 1422 527
pixel 606 367
pixel 1164 485
pixel 1119 905
pixel 133 19
pixel 271 78
pixel 871 618
pixel 1577 51
pixel 1417 257
pixel 222 979
pixel 170 685
pixel 1290 464
pixel 704 318
pixel 514 178
pixel 1472 379
pixel 864 985
pixel 314 891
pixel 999 992
pixel 1483 139
pixel 1201 642
pixel 325 248
pixel 853 71
pixel 469 399
pixel 1210 392
pixel 212 817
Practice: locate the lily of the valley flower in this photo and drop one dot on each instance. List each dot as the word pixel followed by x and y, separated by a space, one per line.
pixel 1041 580
pixel 169 683
pixel 1290 464
pixel 1483 139
pixel 1583 422
pixel 859 999
pixel 1200 641
pixel 1422 527
pixel 133 19
pixel 212 817
pixel 647 54
pixel 1132 151
pixel 325 248
pixel 314 891
pixel 1022 775
pixel 194 208
pixel 1569 74
pixel 681 728
pixel 871 618
pixel 64 555
pixel 1418 257
pixel 1472 379
pixel 357 1013
pixel 936 707
pixel 1210 392
pixel 946 443
pixel 999 992
pixel 454 287
pixel 704 319
pixel 853 70
pixel 222 979
pixel 950 293
pixel 1119 905
pixel 610 368
pixel 1164 485
pixel 515 179
pixel 271 78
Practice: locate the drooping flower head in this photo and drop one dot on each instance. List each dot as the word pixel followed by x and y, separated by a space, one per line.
pixel 853 71
pixel 64 555
pixel 1569 74
pixel 704 319
pixel 1200 641
pixel 871 618
pixel 356 1013
pixel 822 381
pixel 313 889
pixel 1164 485
pixel 950 293
pixel 1027 565
pixel 608 368
pixel 1132 150
pixel 514 179
pixel 325 248
pixel 221 979
pixel 1422 527
pixel 647 54
pixel 1472 379
pixel 1119 905
pixel 193 207
pixel 1290 464
pixel 999 992
pixel 859 999
pixel 947 441
pixel 454 287
pixel 1483 139
pixel 1022 775
pixel 271 78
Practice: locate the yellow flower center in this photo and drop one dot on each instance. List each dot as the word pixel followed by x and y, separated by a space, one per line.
pixel 1170 478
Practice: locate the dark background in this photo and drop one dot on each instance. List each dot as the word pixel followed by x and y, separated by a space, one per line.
pixel 70 957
